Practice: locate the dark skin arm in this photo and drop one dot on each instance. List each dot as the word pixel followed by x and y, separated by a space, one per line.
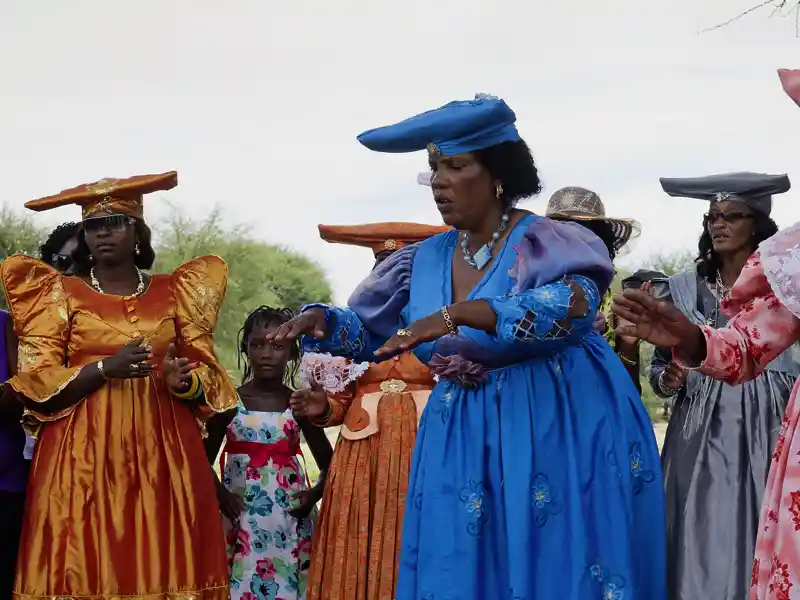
pixel 627 349
pixel 322 451
pixel 10 408
pixel 90 378
pixel 230 505
pixel 477 314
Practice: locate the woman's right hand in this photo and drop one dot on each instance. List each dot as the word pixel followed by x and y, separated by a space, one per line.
pixel 230 504
pixel 310 322
pixel 129 361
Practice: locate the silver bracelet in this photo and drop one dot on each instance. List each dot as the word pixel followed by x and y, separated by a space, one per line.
pixel 101 369
pixel 663 388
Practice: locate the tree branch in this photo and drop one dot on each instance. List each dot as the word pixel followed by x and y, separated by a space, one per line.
pixel 778 6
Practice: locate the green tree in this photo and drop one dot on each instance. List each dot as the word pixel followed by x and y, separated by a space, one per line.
pixel 19 234
pixel 671 263
pixel 259 273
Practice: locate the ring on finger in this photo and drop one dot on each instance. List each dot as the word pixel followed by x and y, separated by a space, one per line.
pixel 403 333
pixel 135 367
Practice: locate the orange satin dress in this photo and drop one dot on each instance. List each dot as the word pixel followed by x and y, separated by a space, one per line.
pixel 357 538
pixel 121 500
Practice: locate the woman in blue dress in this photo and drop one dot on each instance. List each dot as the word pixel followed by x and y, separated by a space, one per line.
pixel 536 471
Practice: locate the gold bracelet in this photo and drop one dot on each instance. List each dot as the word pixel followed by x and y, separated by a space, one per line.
pixel 448 321
pixel 627 361
pixel 194 389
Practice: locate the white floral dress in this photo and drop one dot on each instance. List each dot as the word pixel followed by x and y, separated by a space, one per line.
pixel 269 551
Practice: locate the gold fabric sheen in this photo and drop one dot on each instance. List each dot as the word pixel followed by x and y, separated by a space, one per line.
pixel 121 500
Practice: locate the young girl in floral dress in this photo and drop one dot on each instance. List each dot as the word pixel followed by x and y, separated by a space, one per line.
pixel 268 505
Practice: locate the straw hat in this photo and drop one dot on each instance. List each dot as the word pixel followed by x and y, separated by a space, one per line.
pixel 581 205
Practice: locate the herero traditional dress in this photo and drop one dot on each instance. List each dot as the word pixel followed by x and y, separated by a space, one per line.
pixel 536 471
pixel 716 458
pixel 121 501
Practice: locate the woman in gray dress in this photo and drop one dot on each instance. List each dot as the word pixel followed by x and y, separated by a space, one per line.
pixel 720 437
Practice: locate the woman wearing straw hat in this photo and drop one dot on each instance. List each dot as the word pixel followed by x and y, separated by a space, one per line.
pixel 585 207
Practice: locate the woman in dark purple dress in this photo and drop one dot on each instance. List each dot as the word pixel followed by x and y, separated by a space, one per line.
pixel 13 465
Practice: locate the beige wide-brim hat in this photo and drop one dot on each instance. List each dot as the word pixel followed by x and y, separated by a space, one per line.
pixel 581 205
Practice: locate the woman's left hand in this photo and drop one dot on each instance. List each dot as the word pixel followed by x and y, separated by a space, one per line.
pixel 177 371
pixel 306 501
pixel 428 329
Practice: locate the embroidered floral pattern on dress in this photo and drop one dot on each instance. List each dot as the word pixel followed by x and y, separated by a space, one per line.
pixel 544 500
pixel 639 472
pixel 443 406
pixel 780 260
pixel 542 314
pixel 346 333
pixel 269 551
pixel 779 584
pixel 476 502
pixel 613 586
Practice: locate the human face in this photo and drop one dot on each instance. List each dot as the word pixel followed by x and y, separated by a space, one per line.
pixel 463 190
pixel 731 226
pixel 268 360
pixel 111 238
pixel 62 260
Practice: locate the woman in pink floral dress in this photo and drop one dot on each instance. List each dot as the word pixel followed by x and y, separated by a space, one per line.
pixel 266 500
pixel 765 304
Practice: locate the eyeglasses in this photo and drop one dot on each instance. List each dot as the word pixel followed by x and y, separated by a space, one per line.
pixel 109 223
pixel 62 262
pixel 727 217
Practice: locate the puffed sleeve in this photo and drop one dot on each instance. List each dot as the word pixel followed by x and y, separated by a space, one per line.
pixel 561 274
pixel 375 311
pixel 762 325
pixel 40 312
pixel 199 288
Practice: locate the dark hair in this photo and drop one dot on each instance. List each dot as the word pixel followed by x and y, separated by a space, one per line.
pixel 56 240
pixel 267 316
pixel 605 232
pixel 512 164
pixel 709 262
pixel 144 260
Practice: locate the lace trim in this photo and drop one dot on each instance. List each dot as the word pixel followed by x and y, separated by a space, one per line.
pixel 780 260
pixel 331 373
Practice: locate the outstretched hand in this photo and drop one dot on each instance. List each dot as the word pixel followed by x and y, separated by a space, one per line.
pixel 427 329
pixel 177 371
pixel 310 322
pixel 654 321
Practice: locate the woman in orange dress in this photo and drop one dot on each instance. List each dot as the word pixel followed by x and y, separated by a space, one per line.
pixel 357 541
pixel 121 502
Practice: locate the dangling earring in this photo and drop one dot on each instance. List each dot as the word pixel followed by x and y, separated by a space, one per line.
pixel 498 190
pixel 136 250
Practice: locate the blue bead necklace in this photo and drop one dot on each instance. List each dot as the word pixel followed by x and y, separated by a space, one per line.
pixel 484 254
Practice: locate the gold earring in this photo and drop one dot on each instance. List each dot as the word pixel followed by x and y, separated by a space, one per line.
pixel 498 190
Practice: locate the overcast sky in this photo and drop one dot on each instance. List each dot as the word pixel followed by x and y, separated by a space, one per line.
pixel 258 103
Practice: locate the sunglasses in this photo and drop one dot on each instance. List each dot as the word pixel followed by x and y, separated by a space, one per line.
pixel 727 217
pixel 109 223
pixel 62 262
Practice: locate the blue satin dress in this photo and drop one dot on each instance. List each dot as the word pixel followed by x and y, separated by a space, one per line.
pixel 542 480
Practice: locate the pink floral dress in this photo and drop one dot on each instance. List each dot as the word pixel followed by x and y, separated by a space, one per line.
pixel 766 305
pixel 269 551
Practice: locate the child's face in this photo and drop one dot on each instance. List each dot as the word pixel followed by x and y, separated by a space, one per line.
pixel 268 360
